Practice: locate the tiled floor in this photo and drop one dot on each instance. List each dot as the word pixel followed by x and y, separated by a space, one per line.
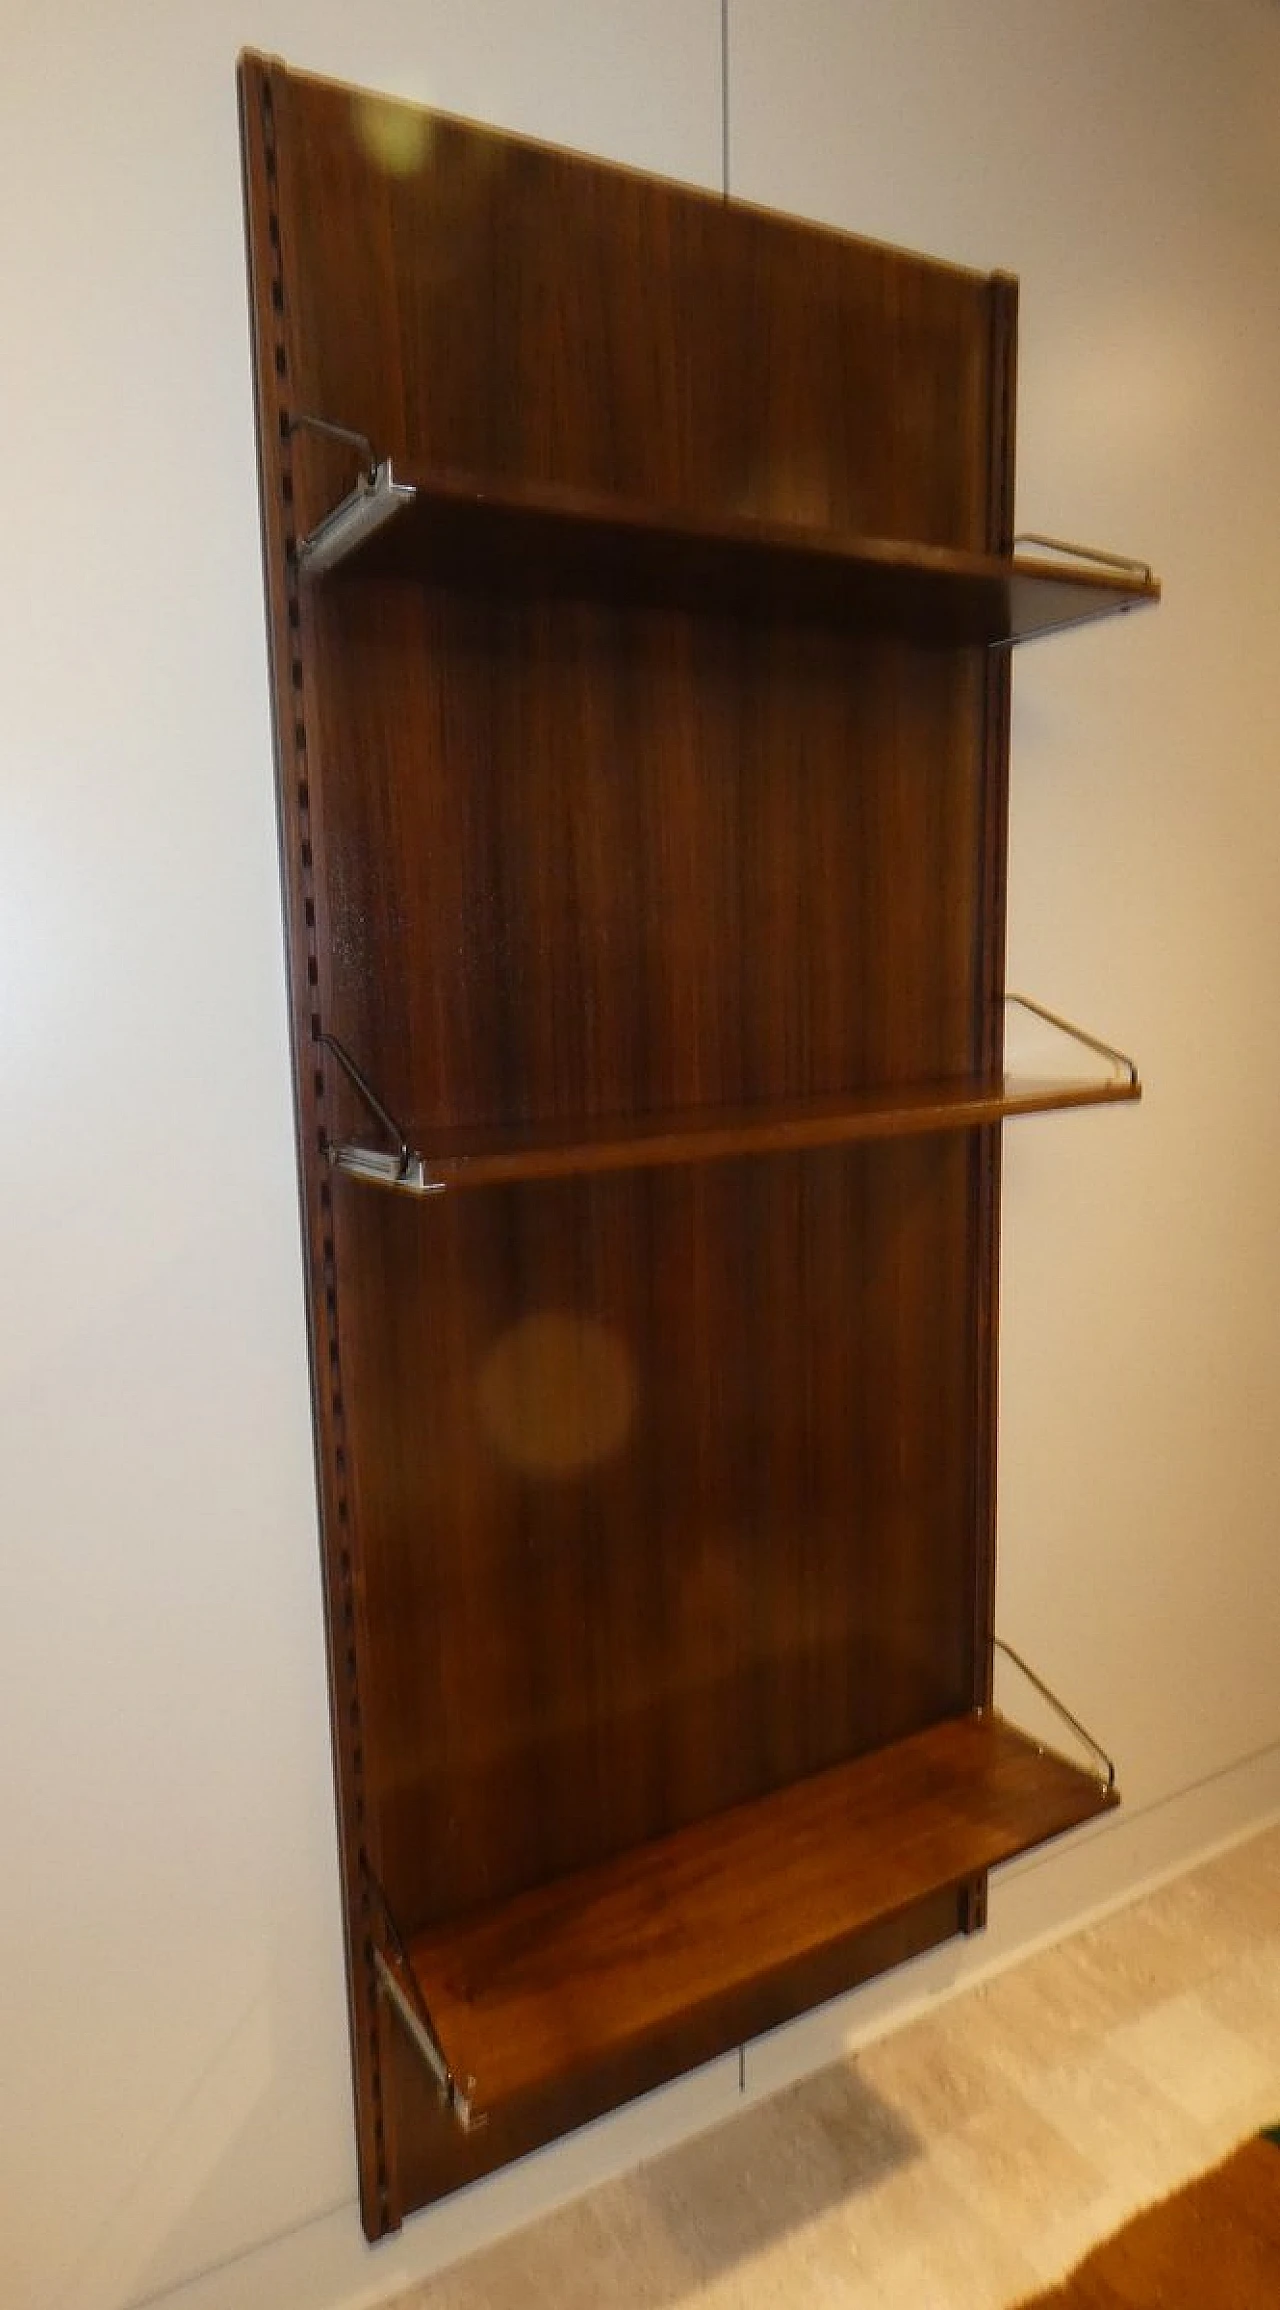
pixel 966 2161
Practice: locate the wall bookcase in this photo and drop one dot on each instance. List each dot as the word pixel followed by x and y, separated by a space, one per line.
pixel 641 679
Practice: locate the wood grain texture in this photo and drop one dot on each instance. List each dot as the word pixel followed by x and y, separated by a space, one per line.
pixel 497 307
pixel 437 2155
pixel 663 1497
pixel 546 1985
pixel 648 1492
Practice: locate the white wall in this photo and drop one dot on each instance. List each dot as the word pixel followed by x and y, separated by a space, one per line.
pixel 173 2073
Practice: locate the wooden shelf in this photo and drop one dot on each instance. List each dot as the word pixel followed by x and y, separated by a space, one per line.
pixel 496 1155
pixel 575 1972
pixel 509 534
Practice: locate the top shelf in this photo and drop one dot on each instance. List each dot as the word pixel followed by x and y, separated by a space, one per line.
pixel 505 534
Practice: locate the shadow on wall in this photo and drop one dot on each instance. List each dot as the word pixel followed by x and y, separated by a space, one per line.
pixel 120 2264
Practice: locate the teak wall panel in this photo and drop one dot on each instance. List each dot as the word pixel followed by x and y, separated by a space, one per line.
pixel 647 1494
pixel 741 851
pixel 510 309
pixel 663 1497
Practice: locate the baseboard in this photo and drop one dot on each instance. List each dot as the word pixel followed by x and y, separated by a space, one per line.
pixel 327 2266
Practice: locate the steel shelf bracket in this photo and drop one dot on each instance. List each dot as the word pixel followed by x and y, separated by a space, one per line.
pixel 403 1168
pixel 375 500
pixel 1060 1709
pixel 1079 1035
pixel 1093 553
pixel 399 1985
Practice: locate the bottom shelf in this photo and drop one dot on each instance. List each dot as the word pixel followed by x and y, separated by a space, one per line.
pixel 573 1974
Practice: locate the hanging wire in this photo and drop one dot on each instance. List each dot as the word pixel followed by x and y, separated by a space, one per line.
pixel 724 94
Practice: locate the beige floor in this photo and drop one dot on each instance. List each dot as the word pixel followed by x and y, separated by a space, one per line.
pixel 963 2162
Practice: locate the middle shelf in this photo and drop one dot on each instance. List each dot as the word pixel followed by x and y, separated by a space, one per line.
pixel 495 1154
